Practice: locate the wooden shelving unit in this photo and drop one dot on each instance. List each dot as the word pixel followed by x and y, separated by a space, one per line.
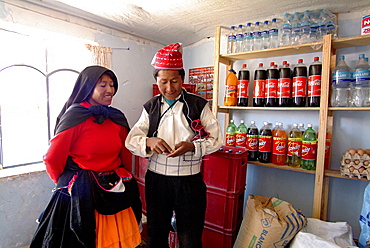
pixel 326 114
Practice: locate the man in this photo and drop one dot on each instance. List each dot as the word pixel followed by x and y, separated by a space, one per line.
pixel 164 133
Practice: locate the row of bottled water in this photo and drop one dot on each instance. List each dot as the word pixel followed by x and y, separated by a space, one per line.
pixel 351 88
pixel 297 28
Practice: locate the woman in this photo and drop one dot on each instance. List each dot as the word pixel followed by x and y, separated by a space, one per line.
pixel 96 201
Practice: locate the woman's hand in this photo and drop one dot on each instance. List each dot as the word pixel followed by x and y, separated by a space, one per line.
pixel 182 148
pixel 158 145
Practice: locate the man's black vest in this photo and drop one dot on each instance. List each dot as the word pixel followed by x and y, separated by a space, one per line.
pixel 193 107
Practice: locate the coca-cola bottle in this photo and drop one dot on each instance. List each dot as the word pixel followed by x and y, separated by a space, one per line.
pixel 284 89
pixel 272 77
pixel 299 84
pixel 265 144
pixel 314 83
pixel 243 82
pixel 252 142
pixel 259 86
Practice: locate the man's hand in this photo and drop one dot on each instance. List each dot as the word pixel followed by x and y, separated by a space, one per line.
pixel 182 148
pixel 158 145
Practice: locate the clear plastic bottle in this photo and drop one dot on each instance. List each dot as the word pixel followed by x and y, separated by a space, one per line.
pixel 361 79
pixel 231 134
pixel 302 128
pixel 341 84
pixel 265 144
pixel 294 156
pixel 296 29
pixel 173 241
pixel 305 27
pixel 252 141
pixel 231 39
pixel 248 38
pixel 331 28
pixel 314 25
pixel 257 43
pixel 239 39
pixel 279 145
pixel 309 148
pixel 274 34
pixel 241 135
pixel 265 39
pixel 322 25
pixel 286 31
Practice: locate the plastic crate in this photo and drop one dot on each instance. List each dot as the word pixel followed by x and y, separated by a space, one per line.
pixel 213 238
pixel 224 210
pixel 141 185
pixel 226 169
pixel 141 165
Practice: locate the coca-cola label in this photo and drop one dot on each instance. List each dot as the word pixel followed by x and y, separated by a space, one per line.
pixel 252 143
pixel 314 85
pixel 299 86
pixel 278 146
pixel 271 88
pixel 259 88
pixel 309 150
pixel 241 139
pixel 283 89
pixel 264 143
pixel 230 139
pixel 294 147
pixel 242 88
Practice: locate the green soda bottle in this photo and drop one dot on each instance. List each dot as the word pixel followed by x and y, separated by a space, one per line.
pixel 241 135
pixel 231 134
pixel 309 148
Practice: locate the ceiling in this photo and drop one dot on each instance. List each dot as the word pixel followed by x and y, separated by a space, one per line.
pixel 188 21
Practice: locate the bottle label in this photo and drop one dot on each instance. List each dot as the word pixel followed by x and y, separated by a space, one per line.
pixel 242 88
pixel 241 139
pixel 309 150
pixel 342 77
pixel 294 147
pixel 230 139
pixel 264 143
pixel 252 143
pixel 283 90
pixel 299 86
pixel 230 91
pixel 259 89
pixel 314 85
pixel 271 88
pixel 232 38
pixel 361 75
pixel 278 146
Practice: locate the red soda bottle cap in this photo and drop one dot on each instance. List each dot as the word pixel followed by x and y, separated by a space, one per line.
pixel 244 65
pixel 272 63
pixel 285 62
pixel 260 64
pixel 316 58
pixel 300 60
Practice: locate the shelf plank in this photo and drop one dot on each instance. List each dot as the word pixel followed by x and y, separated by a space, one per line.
pixel 350 108
pixel 273 52
pixel 336 173
pixel 270 108
pixel 362 40
pixel 282 167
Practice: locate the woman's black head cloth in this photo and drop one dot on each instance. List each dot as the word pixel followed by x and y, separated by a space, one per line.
pixel 85 85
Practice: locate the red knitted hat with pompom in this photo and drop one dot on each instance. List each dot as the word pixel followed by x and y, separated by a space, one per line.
pixel 169 58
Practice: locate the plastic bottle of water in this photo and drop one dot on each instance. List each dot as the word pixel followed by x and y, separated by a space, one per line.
pixel 239 39
pixel 296 29
pixel 248 38
pixel 321 25
pixel 305 27
pixel 341 84
pixel 231 39
pixel 274 34
pixel 286 31
pixel 314 25
pixel 330 23
pixel 257 44
pixel 265 35
pixel 361 78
